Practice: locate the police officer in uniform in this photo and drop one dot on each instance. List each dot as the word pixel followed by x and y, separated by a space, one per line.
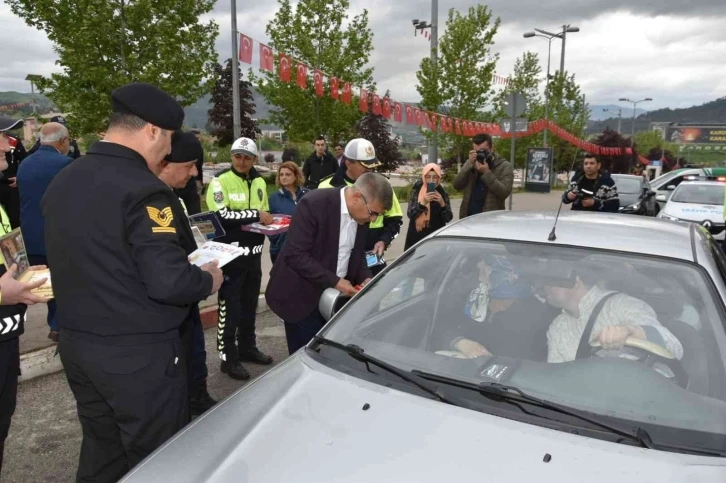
pixel 14 155
pixel 360 157
pixel 123 285
pixel 178 168
pixel 239 196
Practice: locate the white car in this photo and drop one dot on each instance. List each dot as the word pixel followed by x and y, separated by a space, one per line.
pixel 698 202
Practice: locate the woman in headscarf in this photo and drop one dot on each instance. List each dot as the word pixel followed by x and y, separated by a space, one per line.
pixel 428 208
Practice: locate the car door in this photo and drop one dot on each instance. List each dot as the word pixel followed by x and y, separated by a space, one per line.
pixel 664 192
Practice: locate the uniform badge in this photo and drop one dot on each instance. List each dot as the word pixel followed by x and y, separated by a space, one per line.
pixel 259 193
pixel 218 196
pixel 162 219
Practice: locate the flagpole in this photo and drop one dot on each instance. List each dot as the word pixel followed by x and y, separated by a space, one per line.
pixel 236 118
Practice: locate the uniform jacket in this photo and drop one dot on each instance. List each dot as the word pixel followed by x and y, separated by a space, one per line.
pixel 315 169
pixel 34 176
pixel 281 203
pixel 14 157
pixel 12 317
pixel 606 194
pixel 387 227
pixel 238 200
pixel 498 180
pixel 308 261
pixel 120 273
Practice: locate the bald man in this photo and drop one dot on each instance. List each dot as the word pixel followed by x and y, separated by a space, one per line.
pixel 34 175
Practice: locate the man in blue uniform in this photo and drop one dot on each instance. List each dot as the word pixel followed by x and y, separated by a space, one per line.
pixel 124 285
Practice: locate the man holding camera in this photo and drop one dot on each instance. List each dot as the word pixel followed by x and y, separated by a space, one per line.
pixel 591 190
pixel 486 179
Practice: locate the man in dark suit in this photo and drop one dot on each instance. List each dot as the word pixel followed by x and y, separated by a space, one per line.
pixel 324 249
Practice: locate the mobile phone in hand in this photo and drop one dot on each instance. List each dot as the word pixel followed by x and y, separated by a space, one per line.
pixel 373 259
pixel 430 187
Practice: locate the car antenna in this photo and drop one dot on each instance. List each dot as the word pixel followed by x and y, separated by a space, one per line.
pixel 552 237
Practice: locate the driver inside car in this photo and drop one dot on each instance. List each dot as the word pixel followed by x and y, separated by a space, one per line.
pixel 620 317
pixel 501 316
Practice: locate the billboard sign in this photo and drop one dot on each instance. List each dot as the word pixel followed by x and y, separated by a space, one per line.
pixel 696 135
pixel 539 169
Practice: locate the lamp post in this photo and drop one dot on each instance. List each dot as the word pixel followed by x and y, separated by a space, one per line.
pixel 434 45
pixel 632 132
pixel 236 118
pixel 620 116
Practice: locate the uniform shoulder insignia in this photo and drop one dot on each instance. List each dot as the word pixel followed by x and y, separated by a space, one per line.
pixel 163 219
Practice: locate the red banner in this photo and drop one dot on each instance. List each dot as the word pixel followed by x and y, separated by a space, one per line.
pixel 318 80
pixel 284 68
pixel 266 61
pixel 333 83
pixel 245 49
pixel 302 76
pixel 347 93
pixel 363 101
pixel 376 105
pixel 386 108
pixel 410 116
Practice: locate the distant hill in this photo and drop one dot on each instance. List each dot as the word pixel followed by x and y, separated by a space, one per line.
pixel 11 97
pixel 603 112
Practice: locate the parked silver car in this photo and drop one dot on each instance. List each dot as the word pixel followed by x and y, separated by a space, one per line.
pixel 488 352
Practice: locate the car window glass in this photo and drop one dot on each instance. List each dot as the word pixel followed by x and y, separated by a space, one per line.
pixel 704 194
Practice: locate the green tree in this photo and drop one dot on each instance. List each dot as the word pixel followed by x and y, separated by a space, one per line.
pixel 377 130
pixel 220 116
pixel 568 110
pixel 460 83
pixel 104 44
pixel 314 34
pixel 646 141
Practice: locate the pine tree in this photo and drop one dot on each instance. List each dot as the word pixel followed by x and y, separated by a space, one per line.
pixel 376 129
pixel 221 119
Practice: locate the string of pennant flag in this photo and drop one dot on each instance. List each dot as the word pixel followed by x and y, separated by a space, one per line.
pixel 12 107
pixel 343 91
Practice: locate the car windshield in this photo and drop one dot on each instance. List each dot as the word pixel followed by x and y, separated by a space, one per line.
pixel 703 194
pixel 515 313
pixel 628 185
pixel 661 181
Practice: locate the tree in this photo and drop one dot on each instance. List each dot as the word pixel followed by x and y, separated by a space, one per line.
pixel 313 34
pixel 646 141
pixel 102 45
pixel 221 120
pixel 569 111
pixel 614 164
pixel 460 82
pixel 376 129
pixel 269 158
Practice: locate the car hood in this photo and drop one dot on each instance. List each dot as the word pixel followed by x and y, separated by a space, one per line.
pixel 306 422
pixel 695 212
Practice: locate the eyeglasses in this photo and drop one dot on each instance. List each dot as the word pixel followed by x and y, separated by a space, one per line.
pixel 370 212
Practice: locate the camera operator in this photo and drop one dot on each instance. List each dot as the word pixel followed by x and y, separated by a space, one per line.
pixel 486 179
pixel 591 190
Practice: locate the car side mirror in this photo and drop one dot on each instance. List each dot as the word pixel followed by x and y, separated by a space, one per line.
pixel 331 302
pixel 661 198
pixel 671 187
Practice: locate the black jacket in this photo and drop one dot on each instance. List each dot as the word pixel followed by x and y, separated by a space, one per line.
pixel 437 219
pixel 605 194
pixel 315 169
pixel 120 274
pixel 14 158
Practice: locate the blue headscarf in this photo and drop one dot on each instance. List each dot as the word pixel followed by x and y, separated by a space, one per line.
pixel 505 281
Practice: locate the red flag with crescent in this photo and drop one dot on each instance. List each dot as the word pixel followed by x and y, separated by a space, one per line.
pixel 245 49
pixel 302 76
pixel 363 101
pixel 397 112
pixel 285 65
pixel 347 93
pixel 376 105
pixel 333 83
pixel 318 80
pixel 386 108
pixel 410 116
pixel 266 60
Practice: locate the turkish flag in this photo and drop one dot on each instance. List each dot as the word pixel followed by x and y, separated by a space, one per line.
pixel 284 68
pixel 245 49
pixel 457 125
pixel 302 76
pixel 449 125
pixel 398 112
pixel 318 80
pixel 434 122
pixel 376 105
pixel 347 93
pixel 266 60
pixel 419 117
pixel 410 116
pixel 333 84
pixel 386 109
pixel 363 101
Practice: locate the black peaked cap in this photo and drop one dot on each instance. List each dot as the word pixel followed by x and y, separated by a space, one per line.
pixel 148 103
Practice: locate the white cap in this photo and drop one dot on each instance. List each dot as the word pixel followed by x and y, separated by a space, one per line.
pixel 244 146
pixel 361 150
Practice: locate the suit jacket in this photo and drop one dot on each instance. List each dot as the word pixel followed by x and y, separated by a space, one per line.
pixel 308 261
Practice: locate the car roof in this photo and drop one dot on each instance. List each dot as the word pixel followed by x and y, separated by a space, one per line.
pixel 626 176
pixel 603 231
pixel 701 182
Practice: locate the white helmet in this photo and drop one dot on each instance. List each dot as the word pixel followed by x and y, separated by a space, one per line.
pixel 361 150
pixel 244 146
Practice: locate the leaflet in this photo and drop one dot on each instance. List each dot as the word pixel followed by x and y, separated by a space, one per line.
pixel 208 224
pixel 222 252
pixel 12 247
pixel 280 224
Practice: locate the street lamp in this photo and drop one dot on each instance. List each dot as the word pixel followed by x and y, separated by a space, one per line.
pixel 620 116
pixel 421 25
pixel 632 132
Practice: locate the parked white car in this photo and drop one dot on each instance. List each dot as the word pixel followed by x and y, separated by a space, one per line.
pixel 698 202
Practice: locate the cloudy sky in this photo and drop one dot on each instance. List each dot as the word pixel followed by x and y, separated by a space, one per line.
pixel 670 50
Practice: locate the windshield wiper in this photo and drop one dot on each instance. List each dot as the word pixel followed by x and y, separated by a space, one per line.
pixel 515 396
pixel 358 354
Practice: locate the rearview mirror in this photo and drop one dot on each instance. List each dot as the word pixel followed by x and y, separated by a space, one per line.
pixel 331 302
pixel 661 198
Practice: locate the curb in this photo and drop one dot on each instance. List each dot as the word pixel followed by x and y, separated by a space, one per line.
pixel 42 362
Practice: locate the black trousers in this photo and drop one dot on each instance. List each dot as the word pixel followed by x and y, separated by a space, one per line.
pixel 9 371
pixel 130 400
pixel 298 334
pixel 238 298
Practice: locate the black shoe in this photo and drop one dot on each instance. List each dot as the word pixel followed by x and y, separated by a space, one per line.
pixel 201 402
pixel 235 370
pixel 255 355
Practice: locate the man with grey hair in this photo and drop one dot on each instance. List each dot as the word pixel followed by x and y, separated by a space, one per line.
pixel 34 175
pixel 325 248
pixel 74 152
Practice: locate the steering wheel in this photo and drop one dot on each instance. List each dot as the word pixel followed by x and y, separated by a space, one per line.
pixel 653 353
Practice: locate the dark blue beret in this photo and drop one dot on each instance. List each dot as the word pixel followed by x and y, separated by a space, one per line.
pixel 148 103
pixel 185 147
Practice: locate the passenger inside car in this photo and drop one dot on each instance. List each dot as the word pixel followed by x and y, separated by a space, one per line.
pixel 617 316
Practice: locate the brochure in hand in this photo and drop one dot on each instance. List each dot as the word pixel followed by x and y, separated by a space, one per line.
pixel 222 252
pixel 208 224
pixel 280 224
pixel 12 247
